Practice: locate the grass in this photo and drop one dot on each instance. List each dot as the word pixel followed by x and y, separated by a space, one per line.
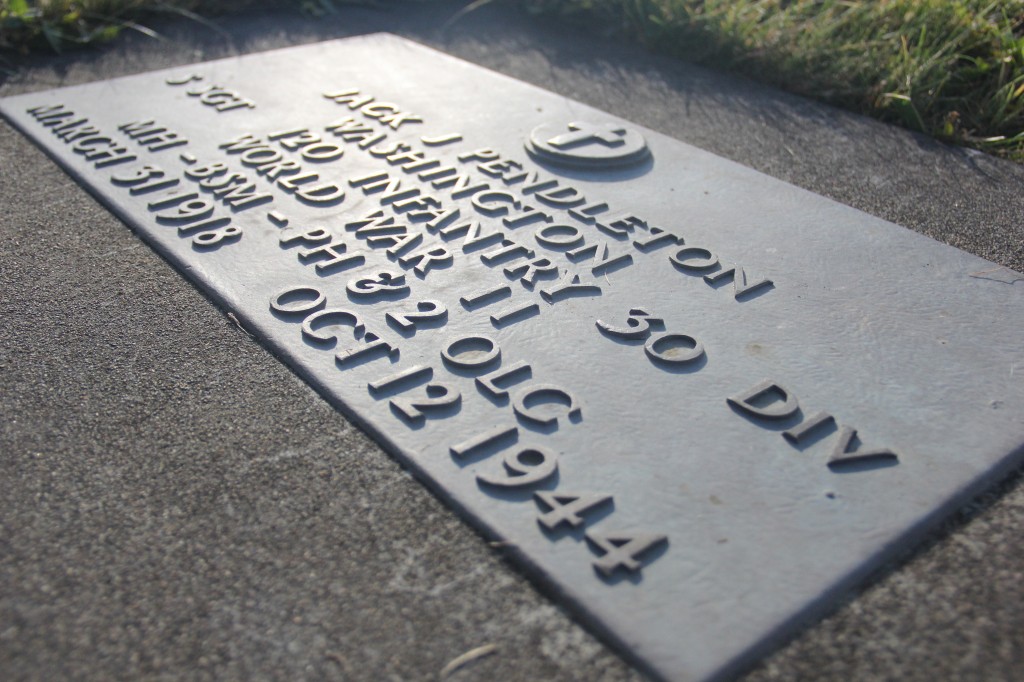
pixel 953 69
pixel 27 26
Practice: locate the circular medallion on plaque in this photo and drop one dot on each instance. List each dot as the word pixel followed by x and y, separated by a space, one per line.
pixel 588 145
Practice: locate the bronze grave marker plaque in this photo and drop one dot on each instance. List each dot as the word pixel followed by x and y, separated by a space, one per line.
pixel 694 400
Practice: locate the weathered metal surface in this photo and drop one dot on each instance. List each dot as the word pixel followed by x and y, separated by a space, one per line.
pixel 696 401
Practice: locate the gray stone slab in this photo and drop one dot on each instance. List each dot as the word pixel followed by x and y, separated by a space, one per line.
pixel 858 319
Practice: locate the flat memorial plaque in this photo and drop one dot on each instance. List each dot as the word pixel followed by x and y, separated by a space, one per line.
pixel 698 403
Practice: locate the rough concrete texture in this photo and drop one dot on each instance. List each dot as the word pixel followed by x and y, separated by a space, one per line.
pixel 177 505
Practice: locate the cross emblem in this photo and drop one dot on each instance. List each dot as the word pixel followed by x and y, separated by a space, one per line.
pixel 608 134
pixel 596 146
